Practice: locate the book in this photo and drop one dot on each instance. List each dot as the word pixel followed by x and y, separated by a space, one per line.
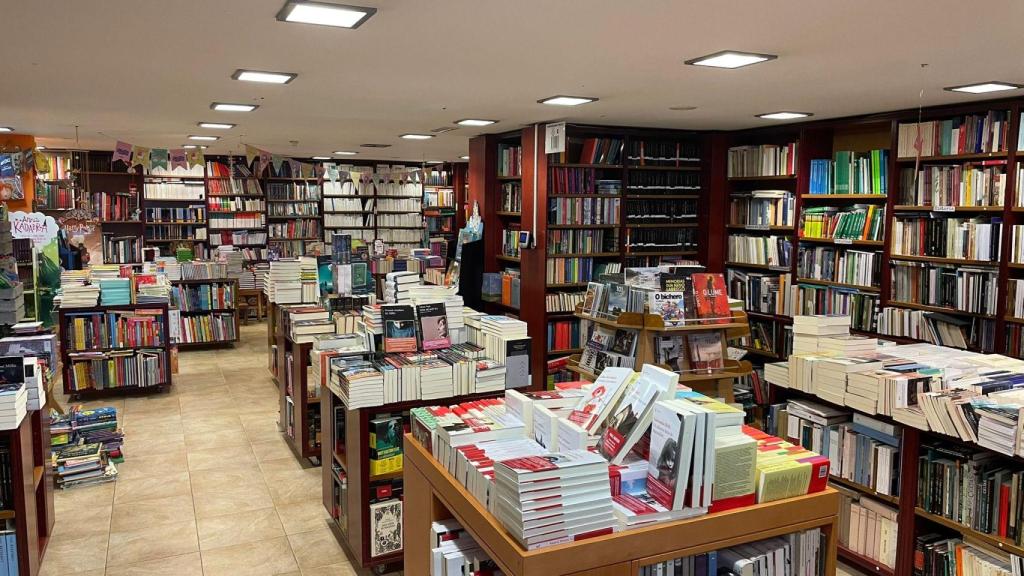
pixel 632 415
pixel 399 327
pixel 385 527
pixel 433 321
pixel 672 436
pixel 710 297
pixel 670 306
pixel 706 351
pixel 601 398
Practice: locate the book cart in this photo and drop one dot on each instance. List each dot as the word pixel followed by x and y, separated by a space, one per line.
pixel 715 383
pixel 232 310
pixel 66 351
pixel 431 494
pixel 347 481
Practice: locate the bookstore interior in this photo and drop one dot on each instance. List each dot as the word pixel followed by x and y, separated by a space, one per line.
pixel 606 313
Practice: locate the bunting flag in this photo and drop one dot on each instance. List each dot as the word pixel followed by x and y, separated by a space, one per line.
pixel 251 153
pixel 293 168
pixel 159 157
pixel 277 161
pixel 122 152
pixel 331 171
pixel 195 157
pixel 264 161
pixel 307 170
pixel 179 158
pixel 140 156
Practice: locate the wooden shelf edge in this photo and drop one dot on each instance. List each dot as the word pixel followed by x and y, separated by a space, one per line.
pixel 863 562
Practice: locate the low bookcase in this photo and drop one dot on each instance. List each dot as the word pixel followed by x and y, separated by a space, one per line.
pixel 227 313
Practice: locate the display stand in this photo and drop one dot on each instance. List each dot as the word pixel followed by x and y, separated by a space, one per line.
pixel 715 383
pixel 431 494
pixel 295 403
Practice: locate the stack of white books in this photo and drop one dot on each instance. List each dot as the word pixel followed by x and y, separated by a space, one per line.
pixel 357 382
pixel 497 331
pixel 436 379
pixel 489 376
pixel 574 483
pixel 777 373
pixel 13 404
pixel 372 320
pixel 79 295
pixel 397 286
pixel 34 382
pixel 847 344
pixel 453 303
pixel 233 260
pixel 283 281
pixel 831 374
pixel 310 283
pixel 807 330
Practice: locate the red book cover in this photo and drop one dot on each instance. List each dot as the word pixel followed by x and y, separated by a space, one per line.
pixel 1004 508
pixel 733 503
pixel 587 154
pixel 711 299
pixel 819 473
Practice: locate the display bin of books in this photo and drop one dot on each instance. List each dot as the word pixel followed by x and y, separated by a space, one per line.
pixel 696 349
pixel 432 495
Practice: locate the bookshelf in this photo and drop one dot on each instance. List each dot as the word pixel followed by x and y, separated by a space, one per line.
pixel 301 430
pixel 293 214
pixel 174 211
pixel 63 188
pixel 114 198
pixel 207 311
pixel 433 495
pixel 32 478
pixel 441 208
pixel 236 207
pixel 85 352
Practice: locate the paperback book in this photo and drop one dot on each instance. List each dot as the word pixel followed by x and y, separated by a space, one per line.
pixel 399 328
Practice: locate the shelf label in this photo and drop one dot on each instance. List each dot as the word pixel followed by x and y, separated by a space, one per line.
pixel 758 227
pixel 847 241
pixel 944 209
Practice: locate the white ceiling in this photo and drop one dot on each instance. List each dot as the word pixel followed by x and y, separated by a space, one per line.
pixel 146 71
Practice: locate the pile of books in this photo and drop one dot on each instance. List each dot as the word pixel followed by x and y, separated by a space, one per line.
pixel 397 286
pixel 453 552
pixel 357 382
pixel 796 554
pixel 115 291
pixel 307 323
pixel 13 394
pixel 310 281
pixel 83 465
pixel 197 270
pixel 283 281
pixel 76 290
pixel 868 527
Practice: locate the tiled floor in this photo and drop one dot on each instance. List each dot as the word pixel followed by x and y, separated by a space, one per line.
pixel 208 486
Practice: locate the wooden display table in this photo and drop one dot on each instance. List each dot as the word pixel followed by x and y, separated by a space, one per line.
pixel 432 494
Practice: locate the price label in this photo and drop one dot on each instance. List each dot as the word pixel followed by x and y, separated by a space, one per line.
pixel 758 227
pixel 944 209
pixel 842 240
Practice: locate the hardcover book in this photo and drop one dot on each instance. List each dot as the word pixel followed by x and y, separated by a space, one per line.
pixel 433 320
pixel 710 298
pixel 399 327
pixel 670 306
pixel 385 527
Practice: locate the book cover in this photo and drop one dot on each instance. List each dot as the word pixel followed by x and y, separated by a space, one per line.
pixel 517 363
pixel 399 327
pixel 624 342
pixel 602 396
pixel 632 414
pixel 616 299
pixel 710 298
pixel 433 320
pixel 670 306
pixel 706 351
pixel 671 445
pixel 385 527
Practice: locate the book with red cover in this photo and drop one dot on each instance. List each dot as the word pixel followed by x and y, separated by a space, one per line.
pixel 710 298
pixel 1004 508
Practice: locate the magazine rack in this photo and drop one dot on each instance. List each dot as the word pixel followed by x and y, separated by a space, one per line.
pixel 431 494
pixel 716 383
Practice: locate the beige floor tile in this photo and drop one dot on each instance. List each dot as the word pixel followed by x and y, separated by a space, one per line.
pixel 316 548
pixel 213 480
pixel 142 513
pixel 151 405
pixel 233 529
pixel 263 558
pixel 84 521
pixel 209 424
pixel 303 516
pixel 75 555
pixel 218 458
pixel 232 500
pixel 143 464
pixel 67 501
pixel 215 439
pixel 152 542
pixel 286 487
pixel 184 565
pixel 134 444
pixel 272 450
pixel 129 490
pixel 271 467
pixel 339 569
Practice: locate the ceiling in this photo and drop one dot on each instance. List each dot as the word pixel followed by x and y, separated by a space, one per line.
pixel 146 71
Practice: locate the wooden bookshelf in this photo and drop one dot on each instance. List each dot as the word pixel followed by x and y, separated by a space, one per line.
pixel 231 310
pixel 432 495
pixel 32 473
pixel 296 403
pixel 66 349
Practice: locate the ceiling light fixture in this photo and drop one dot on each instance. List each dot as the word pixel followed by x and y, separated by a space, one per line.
pixel 40 147
pixel 567 100
pixel 6 129
pixel 434 162
pixel 194 146
pixel 417 136
pixel 784 115
pixel 262 76
pixel 731 59
pixel 204 138
pixel 475 122
pixel 322 158
pixel 345 153
pixel 463 157
pixel 325 14
pixel 682 108
pixel 375 145
pixel 227 107
pixel 216 125
pixel 985 87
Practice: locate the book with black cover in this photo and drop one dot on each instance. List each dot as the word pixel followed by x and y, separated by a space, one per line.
pixel 433 324
pixel 517 363
pixel 399 327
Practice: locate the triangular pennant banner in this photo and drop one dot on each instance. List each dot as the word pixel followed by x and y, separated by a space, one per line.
pixel 140 156
pixel 264 161
pixel 277 162
pixel 250 154
pixel 293 167
pixel 122 152
pixel 179 158
pixel 195 157
pixel 160 158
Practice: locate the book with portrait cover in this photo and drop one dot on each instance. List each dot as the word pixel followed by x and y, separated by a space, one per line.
pixel 399 327
pixel 710 298
pixel 433 320
pixel 668 471
pixel 706 351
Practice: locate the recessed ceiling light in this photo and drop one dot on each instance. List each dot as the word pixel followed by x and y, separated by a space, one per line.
pixel 261 76
pixel 784 115
pixel 226 107
pixel 325 14
pixel 375 145
pixel 434 162
pixel 567 100
pixel 474 122
pixel 321 158
pixel 463 157
pixel 682 108
pixel 345 153
pixel 730 59
pixel 417 136
pixel 6 129
pixel 984 87
pixel 216 125
pixel 194 146
pixel 204 138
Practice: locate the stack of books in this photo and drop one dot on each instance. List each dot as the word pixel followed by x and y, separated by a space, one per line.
pixel 307 323
pixel 309 279
pixel 397 286
pixel 83 465
pixel 13 394
pixel 76 291
pixel 357 382
pixel 505 340
pixel 283 281
pixel 115 291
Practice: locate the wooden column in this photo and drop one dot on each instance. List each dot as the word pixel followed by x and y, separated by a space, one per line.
pixel 532 261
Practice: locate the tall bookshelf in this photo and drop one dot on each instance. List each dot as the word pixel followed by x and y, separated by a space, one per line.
pixel 114 199
pixel 399 209
pixel 236 207
pixel 441 208
pixel 174 211
pixel 293 214
pixel 63 188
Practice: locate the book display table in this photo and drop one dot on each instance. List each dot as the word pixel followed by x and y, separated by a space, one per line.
pixel 431 494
